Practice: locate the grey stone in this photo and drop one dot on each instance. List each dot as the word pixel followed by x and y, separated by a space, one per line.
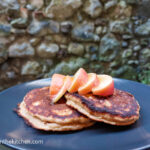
pixel 60 39
pixel 137 22
pixel 120 11
pixel 135 54
pixel 11 75
pixel 133 62
pixel 76 48
pixel 17 31
pixel 136 47
pixel 94 57
pixel 104 30
pixel 31 68
pixel 134 43
pixel 109 48
pixel 23 2
pixel 99 30
pixel 3 53
pixel 4 41
pixel 35 41
pixel 79 17
pixel 43 27
pixel 146 66
pixel 48 62
pixel 84 32
pixel 30 7
pixel 126 72
pixel 96 67
pixel 47 50
pixel 124 44
pixel 114 64
pixel 144 56
pixel 38 28
pixel 123 4
pixel 8 4
pixel 91 48
pixel 11 39
pixel 48 38
pixel 66 27
pixel 53 27
pixel 5 66
pixel 21 48
pixel 127 36
pixel 143 29
pixel 60 9
pixel 93 8
pixel 87 56
pixel 110 4
pixel 144 41
pixel 5 29
pixel 120 26
pixel 37 3
pixel 64 47
pixel 20 23
pixel 68 67
pixel 119 71
pixel 127 53
pixel 134 18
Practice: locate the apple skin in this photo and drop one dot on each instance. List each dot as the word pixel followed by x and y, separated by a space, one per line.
pixel 79 79
pixel 105 87
pixel 87 87
pixel 59 86
pixel 56 84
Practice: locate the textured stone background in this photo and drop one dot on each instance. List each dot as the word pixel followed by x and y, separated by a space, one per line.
pixel 40 37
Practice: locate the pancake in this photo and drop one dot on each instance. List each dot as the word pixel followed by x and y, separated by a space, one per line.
pixel 39 112
pixel 48 126
pixel 119 109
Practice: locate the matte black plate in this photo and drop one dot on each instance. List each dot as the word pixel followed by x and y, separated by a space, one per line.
pixel 100 136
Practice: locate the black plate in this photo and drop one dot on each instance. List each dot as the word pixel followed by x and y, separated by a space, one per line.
pixel 100 136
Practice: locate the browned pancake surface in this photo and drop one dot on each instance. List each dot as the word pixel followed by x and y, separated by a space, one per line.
pixel 119 109
pixel 120 103
pixel 39 104
pixel 48 126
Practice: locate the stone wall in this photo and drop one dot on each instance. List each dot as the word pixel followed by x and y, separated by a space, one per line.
pixel 40 37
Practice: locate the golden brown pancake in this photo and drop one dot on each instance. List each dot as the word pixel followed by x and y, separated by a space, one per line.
pixel 37 109
pixel 48 126
pixel 119 109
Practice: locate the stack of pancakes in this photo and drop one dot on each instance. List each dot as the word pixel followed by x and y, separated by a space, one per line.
pixel 39 112
pixel 76 111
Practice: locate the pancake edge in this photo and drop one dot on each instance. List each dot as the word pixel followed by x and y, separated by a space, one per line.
pixel 77 104
pixel 47 126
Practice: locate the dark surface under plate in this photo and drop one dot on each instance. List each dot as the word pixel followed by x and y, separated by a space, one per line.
pixel 100 136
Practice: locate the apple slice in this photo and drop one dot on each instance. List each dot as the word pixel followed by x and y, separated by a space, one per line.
pixel 59 86
pixel 92 82
pixel 56 84
pixel 80 78
pixel 105 87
